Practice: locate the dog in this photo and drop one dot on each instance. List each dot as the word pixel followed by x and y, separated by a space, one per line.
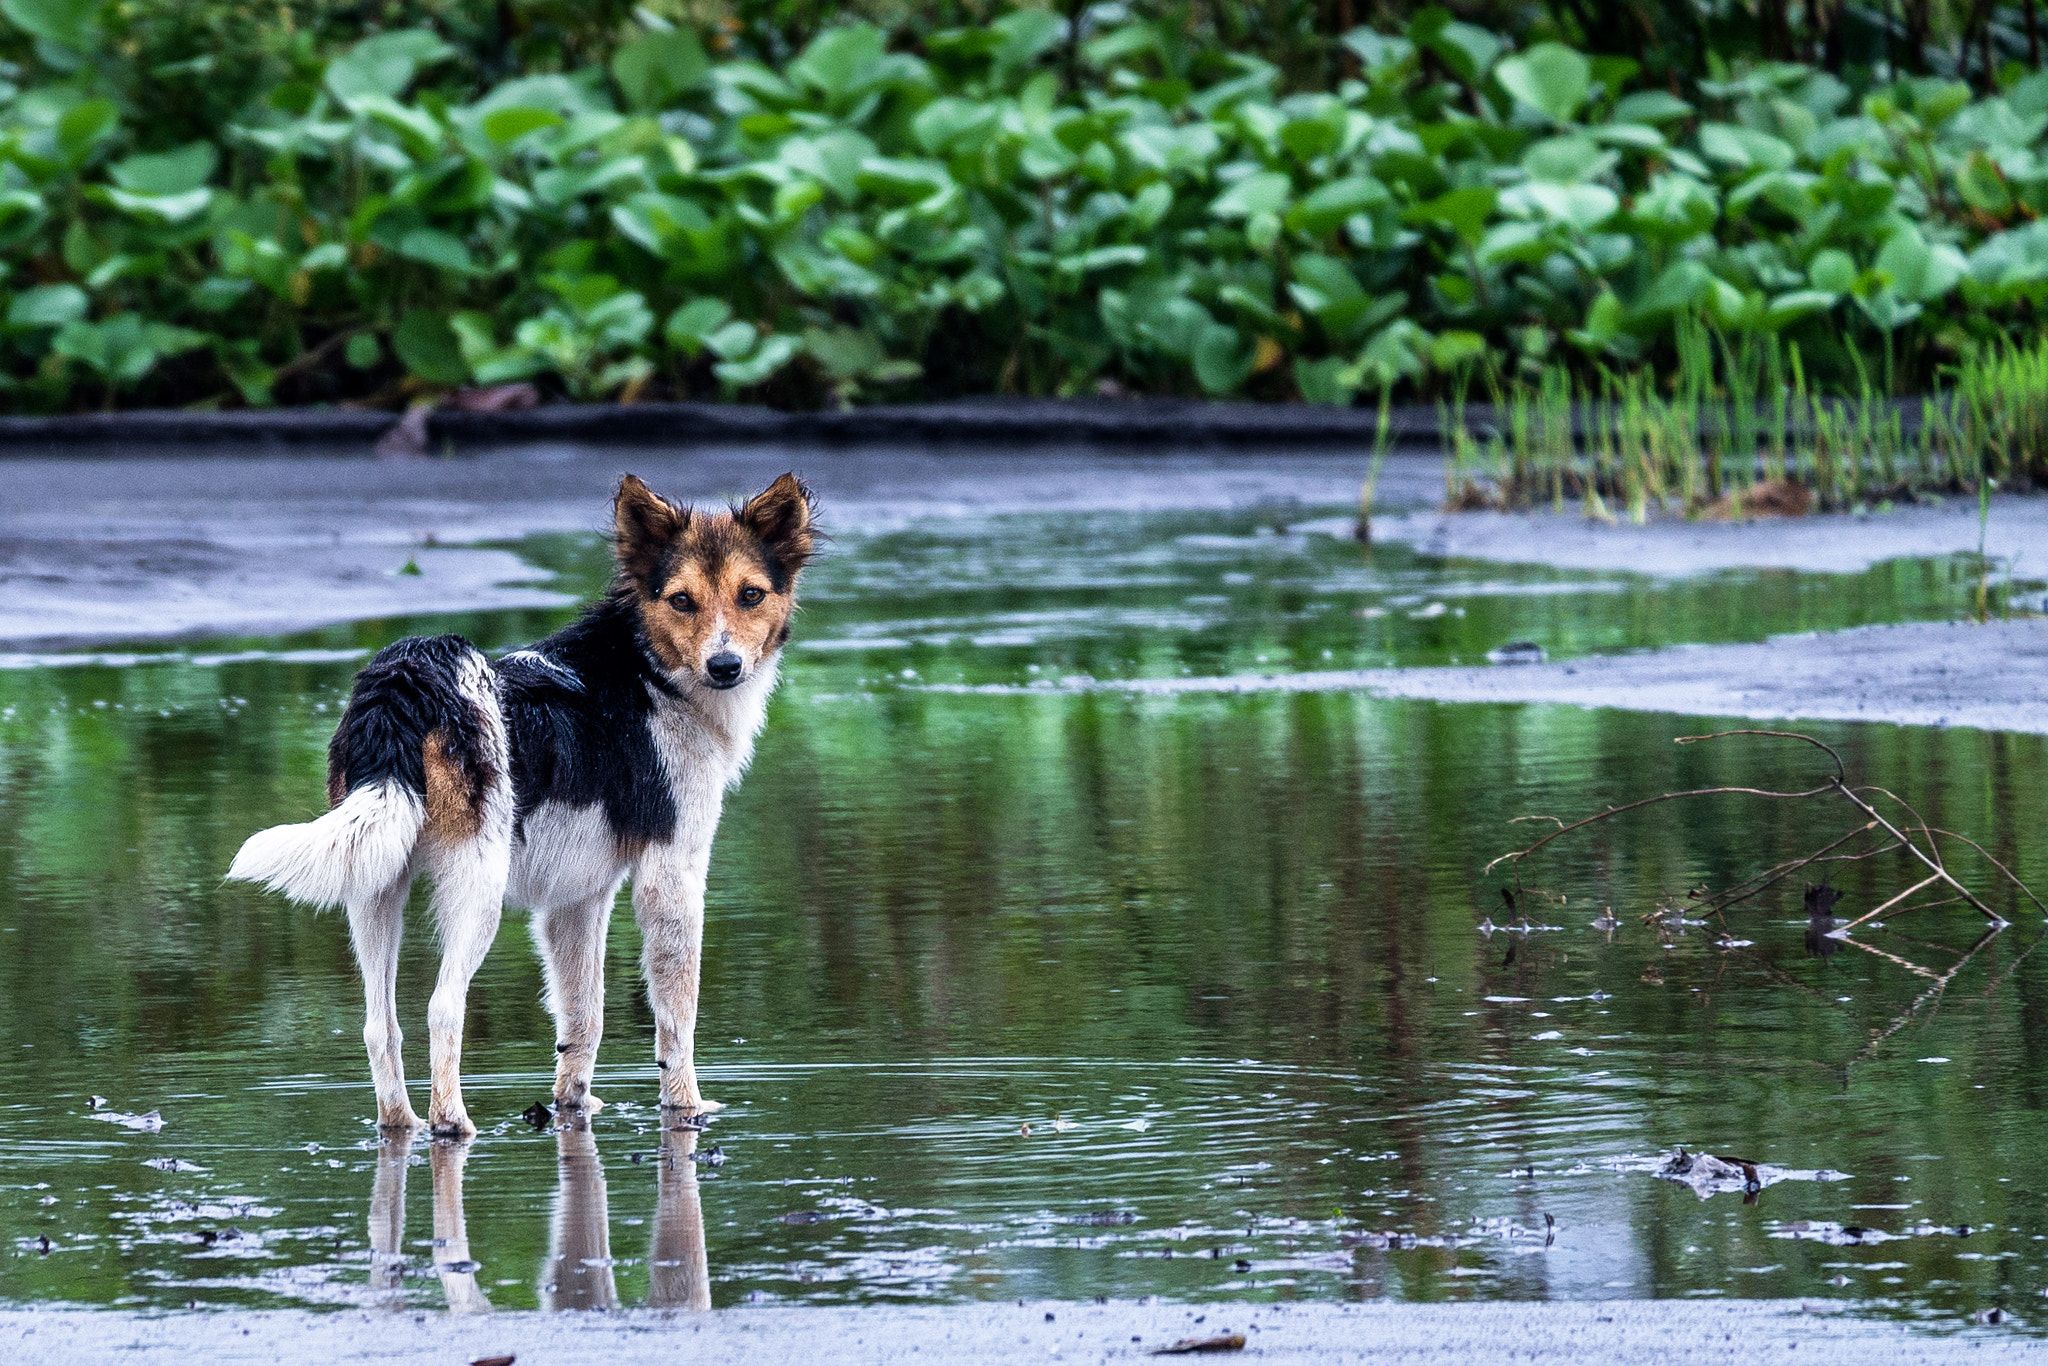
pixel 549 777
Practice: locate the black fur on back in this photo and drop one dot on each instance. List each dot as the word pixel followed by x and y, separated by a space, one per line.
pixel 409 690
pixel 580 730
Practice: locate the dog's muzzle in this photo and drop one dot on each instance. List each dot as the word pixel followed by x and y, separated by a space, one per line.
pixel 723 670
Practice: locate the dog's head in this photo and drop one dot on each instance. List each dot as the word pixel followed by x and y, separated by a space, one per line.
pixel 715 590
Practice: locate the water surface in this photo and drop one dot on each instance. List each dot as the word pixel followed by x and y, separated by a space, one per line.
pixel 1056 993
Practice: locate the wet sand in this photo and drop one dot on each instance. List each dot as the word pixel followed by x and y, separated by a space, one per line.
pixel 108 550
pixel 1669 547
pixel 1655 1333
pixel 102 550
pixel 1991 677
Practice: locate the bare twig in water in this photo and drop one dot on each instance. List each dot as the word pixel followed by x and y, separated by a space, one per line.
pixel 1836 785
pixel 1911 835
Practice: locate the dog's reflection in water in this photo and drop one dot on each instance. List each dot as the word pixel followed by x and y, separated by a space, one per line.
pixel 577 1273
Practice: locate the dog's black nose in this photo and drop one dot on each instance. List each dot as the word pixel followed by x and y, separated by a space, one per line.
pixel 724 669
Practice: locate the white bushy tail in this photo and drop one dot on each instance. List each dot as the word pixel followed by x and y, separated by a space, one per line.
pixel 347 856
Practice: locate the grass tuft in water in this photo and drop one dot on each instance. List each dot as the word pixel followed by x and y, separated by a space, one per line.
pixel 1737 429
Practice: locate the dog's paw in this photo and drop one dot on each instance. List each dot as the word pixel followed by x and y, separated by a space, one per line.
pixel 452 1125
pixel 586 1101
pixel 692 1105
pixel 398 1121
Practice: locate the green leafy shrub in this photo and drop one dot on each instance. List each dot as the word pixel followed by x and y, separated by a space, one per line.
pixel 1011 207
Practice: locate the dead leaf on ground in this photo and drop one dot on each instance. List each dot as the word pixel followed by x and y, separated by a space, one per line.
pixel 1222 1342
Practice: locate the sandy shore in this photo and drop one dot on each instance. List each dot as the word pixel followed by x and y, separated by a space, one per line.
pixel 102 550
pixel 1827 544
pixel 110 550
pixel 1991 677
pixel 1654 1333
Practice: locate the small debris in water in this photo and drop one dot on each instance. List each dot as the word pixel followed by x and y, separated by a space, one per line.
pixel 714 1156
pixel 1992 1315
pixel 173 1164
pixel 1517 652
pixel 1024 1131
pixel 538 1115
pixel 801 1216
pixel 97 1102
pixel 1223 1342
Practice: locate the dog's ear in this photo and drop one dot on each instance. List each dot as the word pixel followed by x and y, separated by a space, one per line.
pixel 780 515
pixel 644 526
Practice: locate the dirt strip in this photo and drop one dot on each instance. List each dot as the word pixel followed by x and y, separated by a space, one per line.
pixel 1991 677
pixel 1653 1333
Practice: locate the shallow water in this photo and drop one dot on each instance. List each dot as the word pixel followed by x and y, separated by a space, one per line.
pixel 1223 955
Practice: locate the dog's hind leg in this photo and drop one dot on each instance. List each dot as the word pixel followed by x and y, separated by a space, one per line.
pixel 469 895
pixel 571 940
pixel 375 927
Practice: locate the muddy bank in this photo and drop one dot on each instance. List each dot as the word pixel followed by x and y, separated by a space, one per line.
pixel 1991 677
pixel 1823 544
pixel 1655 1333
pixel 105 550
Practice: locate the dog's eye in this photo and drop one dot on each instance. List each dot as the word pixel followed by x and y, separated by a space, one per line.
pixel 751 596
pixel 682 602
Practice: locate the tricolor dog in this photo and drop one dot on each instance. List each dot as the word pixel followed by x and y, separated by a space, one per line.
pixel 548 778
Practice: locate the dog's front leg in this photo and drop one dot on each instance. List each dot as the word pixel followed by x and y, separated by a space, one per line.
pixel 571 940
pixel 668 901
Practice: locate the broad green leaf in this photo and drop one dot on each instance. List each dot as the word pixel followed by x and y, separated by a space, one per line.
pixel 843 352
pixel 1327 208
pixel 839 64
pixel 83 125
pixel 1982 185
pixel 1790 307
pixel 1920 271
pixel 167 173
pixel 437 248
pixel 1549 77
pixel 774 353
pixel 1398 351
pixel 166 208
pixel 1832 272
pixel 1745 148
pixel 1222 360
pixel 1681 285
pixel 384 64
pixel 68 23
pixel 952 123
pixel 46 306
pixel 656 67
pixel 1676 207
pixel 1463 211
pixel 1567 160
pixel 1264 192
pixel 1650 106
pixel 1452 349
pixel 427 346
pixel 507 125
pixel 733 340
pixel 1324 381
pixel 1467 49
pixel 690 327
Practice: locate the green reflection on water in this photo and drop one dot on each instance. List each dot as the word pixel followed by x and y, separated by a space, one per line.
pixel 1229 940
